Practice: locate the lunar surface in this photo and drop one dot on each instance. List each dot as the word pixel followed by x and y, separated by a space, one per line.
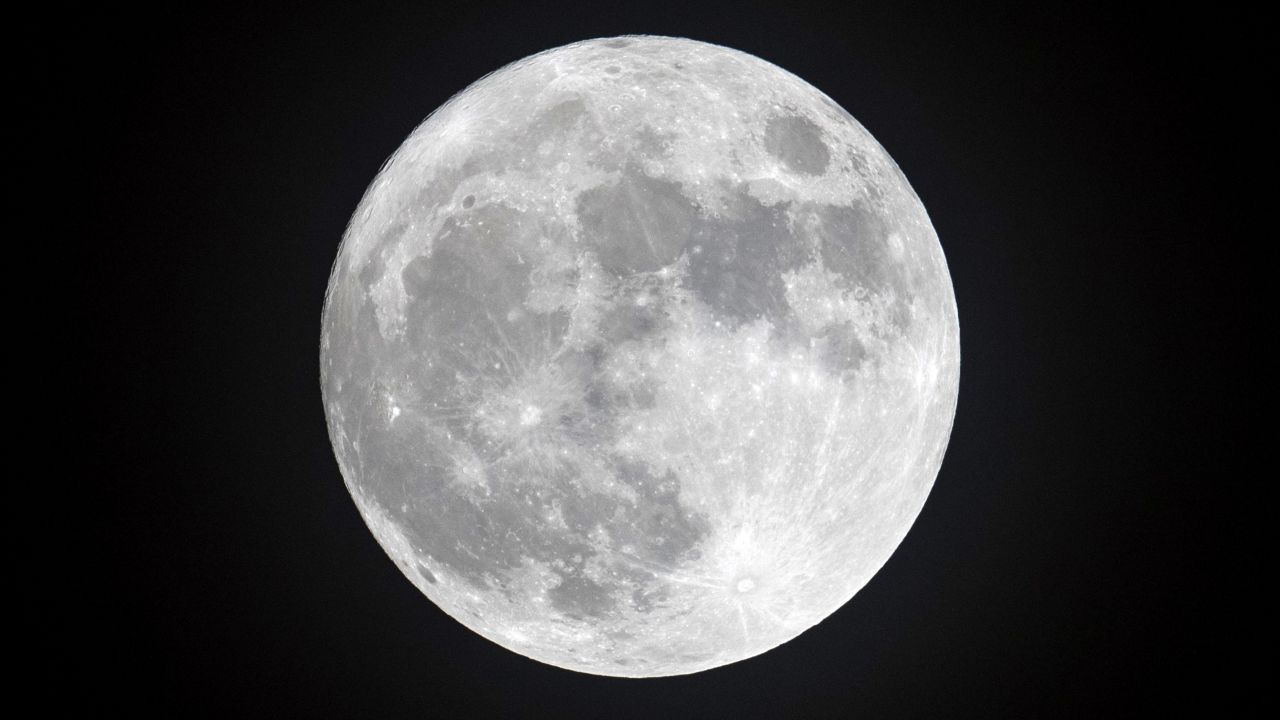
pixel 640 356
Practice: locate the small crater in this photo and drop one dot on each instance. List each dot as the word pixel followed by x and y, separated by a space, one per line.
pixel 468 201
pixel 745 585
pixel 426 574
pixel 617 43
pixel 613 69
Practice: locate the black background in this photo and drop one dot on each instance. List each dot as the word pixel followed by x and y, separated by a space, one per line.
pixel 1077 557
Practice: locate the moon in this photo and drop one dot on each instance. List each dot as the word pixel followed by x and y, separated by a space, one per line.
pixel 640 356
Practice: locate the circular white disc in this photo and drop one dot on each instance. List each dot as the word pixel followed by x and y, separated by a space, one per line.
pixel 640 356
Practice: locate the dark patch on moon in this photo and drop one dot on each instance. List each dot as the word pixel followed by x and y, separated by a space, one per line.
pixel 839 349
pixel 638 223
pixel 455 317
pixel 854 244
pixel 660 528
pixel 740 257
pixel 578 596
pixel 627 319
pixel 557 120
pixel 558 130
pixel 652 144
pixel 409 470
pixel 606 398
pixel 617 43
pixel 797 142
pixel 375 266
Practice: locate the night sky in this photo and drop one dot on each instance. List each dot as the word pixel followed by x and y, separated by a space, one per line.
pixel 1079 555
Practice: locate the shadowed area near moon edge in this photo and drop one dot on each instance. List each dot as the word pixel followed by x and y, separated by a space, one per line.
pixel 531 383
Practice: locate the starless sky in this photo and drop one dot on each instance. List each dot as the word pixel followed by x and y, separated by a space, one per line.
pixel 1075 552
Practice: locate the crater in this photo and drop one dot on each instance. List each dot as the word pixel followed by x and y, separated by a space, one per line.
pixel 426 574
pixel 797 142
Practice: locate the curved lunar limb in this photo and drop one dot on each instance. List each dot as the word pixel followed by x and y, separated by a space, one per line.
pixel 640 356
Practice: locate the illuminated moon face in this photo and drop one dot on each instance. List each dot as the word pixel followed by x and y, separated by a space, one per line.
pixel 640 356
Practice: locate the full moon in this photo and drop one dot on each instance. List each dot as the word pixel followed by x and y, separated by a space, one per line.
pixel 640 356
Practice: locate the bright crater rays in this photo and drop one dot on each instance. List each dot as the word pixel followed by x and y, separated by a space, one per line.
pixel 640 356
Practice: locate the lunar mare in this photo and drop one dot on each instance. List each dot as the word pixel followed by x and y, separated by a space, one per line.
pixel 640 356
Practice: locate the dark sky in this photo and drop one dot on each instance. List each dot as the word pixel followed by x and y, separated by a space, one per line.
pixel 1078 554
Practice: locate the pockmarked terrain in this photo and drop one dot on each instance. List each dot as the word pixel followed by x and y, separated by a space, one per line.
pixel 640 356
